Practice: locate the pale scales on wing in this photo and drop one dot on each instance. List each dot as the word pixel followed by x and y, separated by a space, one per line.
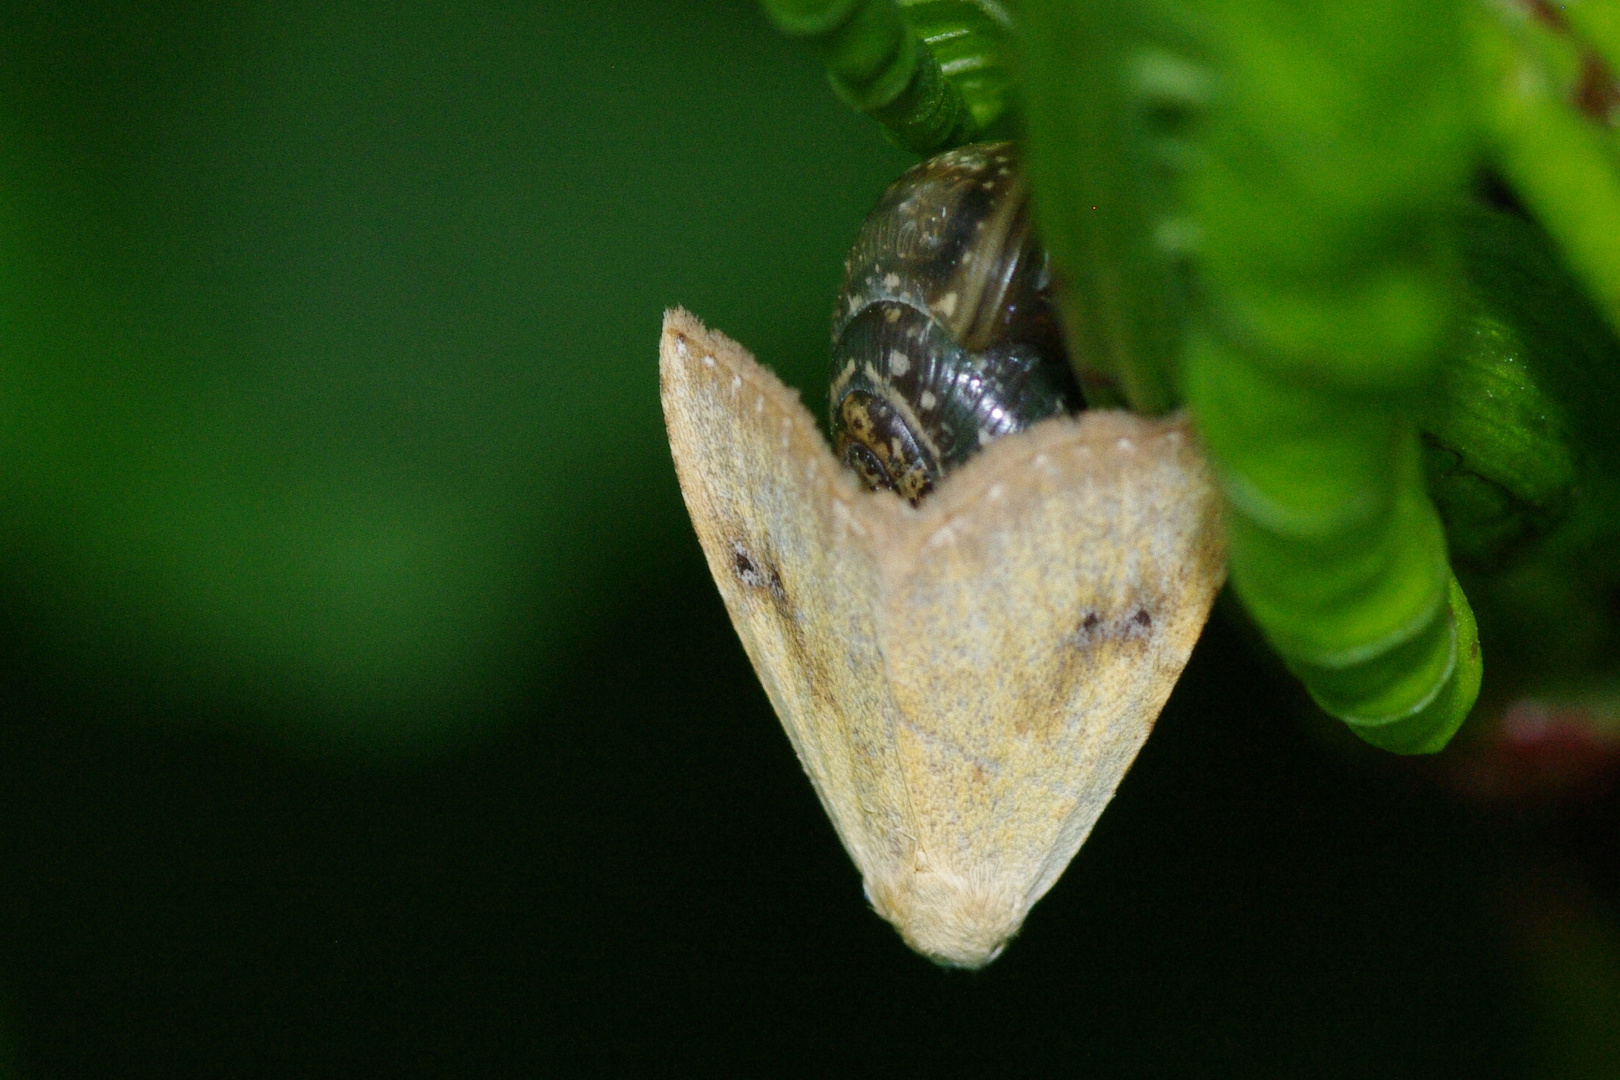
pixel 965 682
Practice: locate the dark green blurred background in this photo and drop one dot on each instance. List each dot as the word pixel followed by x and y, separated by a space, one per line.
pixel 366 708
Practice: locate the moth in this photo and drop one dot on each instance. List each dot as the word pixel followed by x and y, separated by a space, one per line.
pixel 965 681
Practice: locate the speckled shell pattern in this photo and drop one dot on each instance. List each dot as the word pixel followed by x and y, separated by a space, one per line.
pixel 944 337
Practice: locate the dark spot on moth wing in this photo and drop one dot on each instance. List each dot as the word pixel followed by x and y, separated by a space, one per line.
pixel 743 563
pixel 756 572
pixel 1086 631
pixel 1138 627
pixel 1091 627
pixel 759 575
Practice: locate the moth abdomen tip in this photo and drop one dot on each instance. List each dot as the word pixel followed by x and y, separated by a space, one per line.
pixel 955 920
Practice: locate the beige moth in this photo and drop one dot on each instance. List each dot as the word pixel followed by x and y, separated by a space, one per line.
pixel 967 681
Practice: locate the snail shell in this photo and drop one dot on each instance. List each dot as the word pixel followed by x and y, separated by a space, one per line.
pixel 944 338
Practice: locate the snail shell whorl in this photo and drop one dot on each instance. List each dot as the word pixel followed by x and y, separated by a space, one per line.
pixel 944 338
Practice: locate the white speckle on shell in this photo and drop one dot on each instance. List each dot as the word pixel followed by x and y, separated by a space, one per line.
pixel 985 436
pixel 891 280
pixel 899 363
pixel 928 401
pixel 947 304
pixel 1125 444
pixel 680 347
pixel 736 383
pixel 708 361
pixel 892 314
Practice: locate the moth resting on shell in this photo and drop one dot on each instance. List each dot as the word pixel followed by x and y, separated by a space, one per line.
pixel 967 681
pixel 966 676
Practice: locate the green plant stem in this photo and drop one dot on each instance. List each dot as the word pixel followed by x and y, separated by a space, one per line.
pixel 877 63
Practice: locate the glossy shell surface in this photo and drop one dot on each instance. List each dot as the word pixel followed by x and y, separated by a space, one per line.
pixel 944 337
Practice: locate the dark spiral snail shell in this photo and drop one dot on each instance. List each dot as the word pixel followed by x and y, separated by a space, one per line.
pixel 944 338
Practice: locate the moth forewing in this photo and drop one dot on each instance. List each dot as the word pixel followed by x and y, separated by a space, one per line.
pixel 967 683
pixel 784 531
pixel 1053 642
